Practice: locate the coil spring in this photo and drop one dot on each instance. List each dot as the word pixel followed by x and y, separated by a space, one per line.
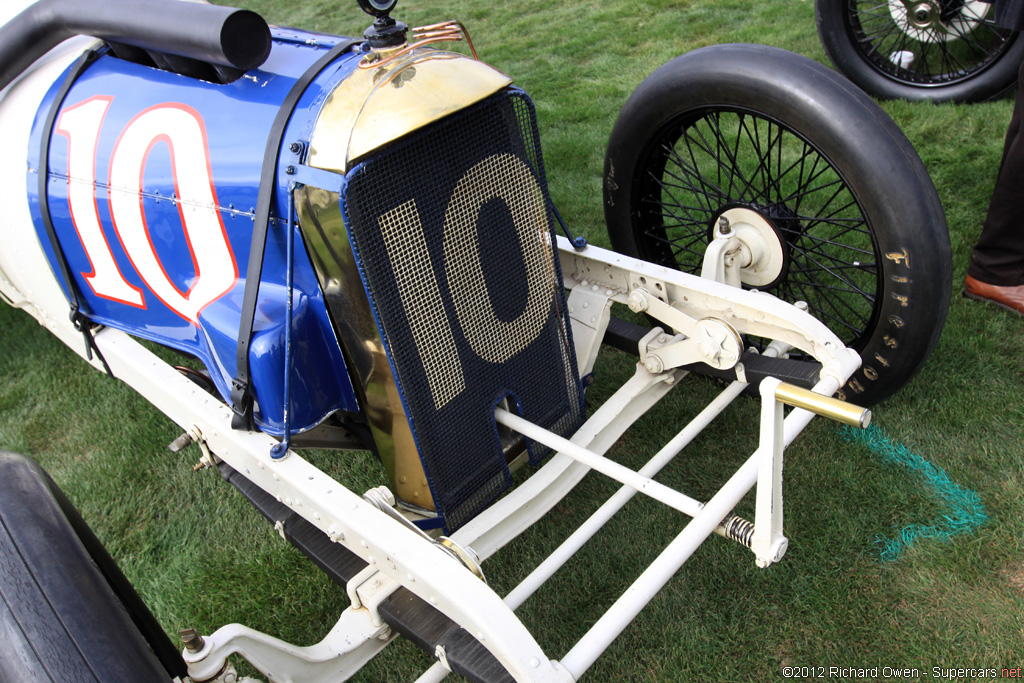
pixel 738 529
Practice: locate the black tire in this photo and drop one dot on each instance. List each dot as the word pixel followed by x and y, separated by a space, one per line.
pixel 67 614
pixel 864 237
pixel 956 52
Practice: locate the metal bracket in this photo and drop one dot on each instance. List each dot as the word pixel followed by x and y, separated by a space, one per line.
pixel 589 311
pixel 372 592
pixel 194 435
pixel 708 340
pixel 352 642
pixel 768 543
pixel 383 499
pixel 442 657
pixel 745 250
pixel 720 262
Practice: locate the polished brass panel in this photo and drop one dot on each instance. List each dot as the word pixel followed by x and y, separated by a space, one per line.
pixel 326 240
pixel 374 106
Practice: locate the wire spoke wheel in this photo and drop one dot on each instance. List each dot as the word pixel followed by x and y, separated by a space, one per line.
pixel 921 49
pixel 924 44
pixel 834 202
pixel 716 160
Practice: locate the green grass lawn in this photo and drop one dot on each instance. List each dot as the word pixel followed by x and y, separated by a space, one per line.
pixel 945 591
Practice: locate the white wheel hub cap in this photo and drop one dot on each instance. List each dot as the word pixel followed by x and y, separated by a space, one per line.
pixel 761 258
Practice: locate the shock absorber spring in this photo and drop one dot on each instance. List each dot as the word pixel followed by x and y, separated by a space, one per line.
pixel 738 529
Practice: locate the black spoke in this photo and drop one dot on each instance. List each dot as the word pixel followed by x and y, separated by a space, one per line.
pixel 808 199
pixel 736 158
pixel 943 50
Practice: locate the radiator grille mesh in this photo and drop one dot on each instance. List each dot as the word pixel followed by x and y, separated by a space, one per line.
pixel 453 237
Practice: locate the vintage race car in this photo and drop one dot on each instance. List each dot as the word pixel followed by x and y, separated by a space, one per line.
pixel 351 243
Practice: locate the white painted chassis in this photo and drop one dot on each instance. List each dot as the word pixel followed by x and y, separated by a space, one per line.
pixel 397 555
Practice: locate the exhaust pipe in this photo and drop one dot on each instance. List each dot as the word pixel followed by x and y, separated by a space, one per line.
pixel 225 37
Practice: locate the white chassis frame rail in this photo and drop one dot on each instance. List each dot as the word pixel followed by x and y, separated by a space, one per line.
pixel 706 318
pixel 399 556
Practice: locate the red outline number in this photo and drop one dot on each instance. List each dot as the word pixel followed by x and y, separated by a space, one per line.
pixel 182 130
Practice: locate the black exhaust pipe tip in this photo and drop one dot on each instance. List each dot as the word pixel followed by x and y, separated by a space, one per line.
pixel 220 36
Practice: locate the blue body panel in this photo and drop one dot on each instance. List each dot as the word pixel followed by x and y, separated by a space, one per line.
pixel 236 120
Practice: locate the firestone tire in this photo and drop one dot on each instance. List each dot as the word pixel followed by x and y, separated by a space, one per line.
pixel 67 615
pixel 962 57
pixel 863 236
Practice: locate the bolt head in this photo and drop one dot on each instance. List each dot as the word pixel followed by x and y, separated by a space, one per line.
pixel 636 302
pixel 191 639
pixel 922 14
pixel 654 365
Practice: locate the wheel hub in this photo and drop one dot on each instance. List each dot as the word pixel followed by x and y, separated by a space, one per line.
pixel 761 254
pixel 923 21
pixel 922 15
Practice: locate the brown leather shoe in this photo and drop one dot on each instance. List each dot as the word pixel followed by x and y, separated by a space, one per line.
pixel 1010 298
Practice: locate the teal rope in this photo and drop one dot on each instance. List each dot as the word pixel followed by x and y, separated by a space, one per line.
pixel 965 511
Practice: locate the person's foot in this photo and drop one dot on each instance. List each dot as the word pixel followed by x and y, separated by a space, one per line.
pixel 1010 298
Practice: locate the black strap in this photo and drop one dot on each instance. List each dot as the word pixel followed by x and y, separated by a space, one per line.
pixel 78 319
pixel 241 396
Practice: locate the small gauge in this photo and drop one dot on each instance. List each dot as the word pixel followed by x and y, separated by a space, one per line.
pixel 377 8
